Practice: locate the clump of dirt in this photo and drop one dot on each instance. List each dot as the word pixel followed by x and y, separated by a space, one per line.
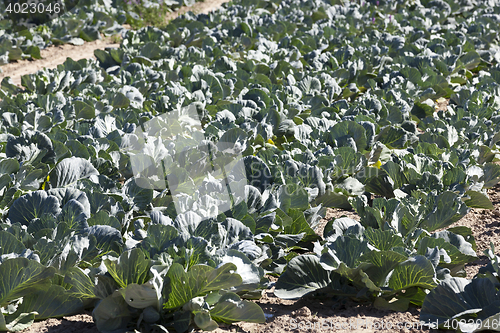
pixel 311 315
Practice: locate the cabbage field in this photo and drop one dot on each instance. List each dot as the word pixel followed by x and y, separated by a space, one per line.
pixel 26 27
pixel 166 185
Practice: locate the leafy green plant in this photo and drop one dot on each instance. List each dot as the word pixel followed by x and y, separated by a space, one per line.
pixel 151 12
pixel 199 297
pixel 471 305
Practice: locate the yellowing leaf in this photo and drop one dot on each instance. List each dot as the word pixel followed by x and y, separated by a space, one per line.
pixel 45 182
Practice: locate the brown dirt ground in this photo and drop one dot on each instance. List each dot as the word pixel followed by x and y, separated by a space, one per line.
pixel 55 55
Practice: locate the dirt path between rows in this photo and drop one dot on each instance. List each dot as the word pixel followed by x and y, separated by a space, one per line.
pixel 56 55
pixel 51 57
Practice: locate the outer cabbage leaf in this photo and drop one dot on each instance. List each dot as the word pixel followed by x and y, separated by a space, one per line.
pixel 458 298
pixel 304 274
pixel 10 244
pixel 415 272
pixel 22 277
pixel 52 302
pixel 111 314
pixel 33 205
pixel 448 208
